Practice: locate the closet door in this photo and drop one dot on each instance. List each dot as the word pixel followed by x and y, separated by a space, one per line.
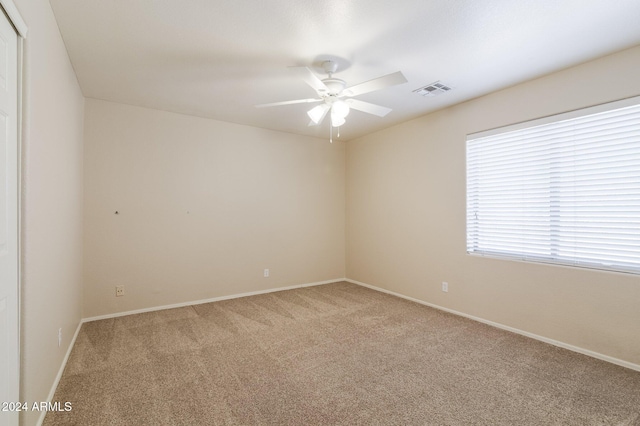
pixel 9 231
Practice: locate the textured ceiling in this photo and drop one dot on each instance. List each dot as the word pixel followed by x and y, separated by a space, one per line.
pixel 217 59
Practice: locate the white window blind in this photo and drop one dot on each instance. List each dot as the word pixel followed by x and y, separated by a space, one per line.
pixel 564 189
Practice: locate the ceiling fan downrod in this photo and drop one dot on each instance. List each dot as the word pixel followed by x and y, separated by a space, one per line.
pixel 329 67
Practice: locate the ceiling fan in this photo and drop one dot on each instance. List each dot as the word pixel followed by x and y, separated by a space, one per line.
pixel 336 97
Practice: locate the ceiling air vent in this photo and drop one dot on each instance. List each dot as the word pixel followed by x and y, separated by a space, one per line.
pixel 433 89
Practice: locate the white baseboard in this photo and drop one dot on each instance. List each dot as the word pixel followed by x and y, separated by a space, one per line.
pixel 59 375
pixel 213 299
pixel 558 343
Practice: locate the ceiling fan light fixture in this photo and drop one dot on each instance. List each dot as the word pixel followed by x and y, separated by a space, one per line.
pixel 336 120
pixel 340 108
pixel 317 113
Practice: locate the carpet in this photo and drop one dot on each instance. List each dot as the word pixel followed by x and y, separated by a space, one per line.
pixel 334 354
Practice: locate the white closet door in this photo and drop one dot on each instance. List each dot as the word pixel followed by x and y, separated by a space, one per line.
pixel 9 301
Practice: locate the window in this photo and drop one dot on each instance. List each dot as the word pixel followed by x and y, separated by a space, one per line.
pixel 562 189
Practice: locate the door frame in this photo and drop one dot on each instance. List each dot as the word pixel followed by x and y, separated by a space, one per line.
pixel 15 18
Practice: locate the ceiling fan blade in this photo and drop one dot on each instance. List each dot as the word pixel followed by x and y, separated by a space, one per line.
pixel 297 101
pixel 367 107
pixel 375 84
pixel 310 78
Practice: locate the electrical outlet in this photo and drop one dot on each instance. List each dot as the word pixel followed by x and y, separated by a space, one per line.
pixel 119 290
pixel 59 337
pixel 266 273
pixel 445 287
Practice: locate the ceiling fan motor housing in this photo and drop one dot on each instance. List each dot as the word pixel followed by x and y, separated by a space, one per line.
pixel 335 86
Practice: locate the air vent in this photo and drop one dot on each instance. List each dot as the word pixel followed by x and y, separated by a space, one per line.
pixel 433 89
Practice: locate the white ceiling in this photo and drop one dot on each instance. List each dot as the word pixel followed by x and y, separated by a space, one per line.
pixel 217 59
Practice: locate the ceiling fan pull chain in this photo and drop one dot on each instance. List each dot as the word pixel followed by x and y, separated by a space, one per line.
pixel 330 133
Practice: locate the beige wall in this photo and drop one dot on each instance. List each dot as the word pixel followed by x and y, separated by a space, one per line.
pixel 406 218
pixel 51 204
pixel 204 207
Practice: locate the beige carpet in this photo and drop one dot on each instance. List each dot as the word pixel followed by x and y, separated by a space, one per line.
pixel 336 354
